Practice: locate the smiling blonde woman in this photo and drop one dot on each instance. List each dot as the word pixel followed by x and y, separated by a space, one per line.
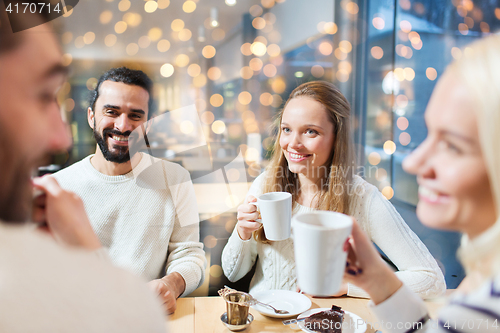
pixel 458 170
pixel 313 161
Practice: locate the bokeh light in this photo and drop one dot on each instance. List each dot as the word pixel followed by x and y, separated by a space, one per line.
pixel 266 99
pixel 177 25
pixel 110 40
pixel 374 158
pixel 162 4
pixel 163 45
pixel 431 73
pixel 246 49
pixel 155 34
pixel 258 48
pixel 345 46
pixel 208 51
pixel 259 23
pixel 210 242
pixel 200 81
pixel 124 5
pixel 279 85
pixel 244 98
pixel 377 52
pixel 150 6
pixel 405 26
pixel 132 49
pixel 185 35
pixel 106 17
pixel 246 72
pixel 273 50
pixel 256 10
pixel 388 192
pixel 214 73
pixel 325 48
pixel 270 70
pixel 218 127
pixel 194 70
pixel 189 6
pixel 186 127
pixel 167 70
pixel 207 117
pixel 182 60
pixel 402 123
pixel 144 42
pixel 91 83
pixel 216 100
pixel 378 23
pixel 120 27
pixel 389 147
pixel 317 71
pixel 404 138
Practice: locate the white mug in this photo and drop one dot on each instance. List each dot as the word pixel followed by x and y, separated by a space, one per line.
pixel 276 214
pixel 319 239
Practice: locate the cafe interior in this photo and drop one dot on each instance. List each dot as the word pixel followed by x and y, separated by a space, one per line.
pixel 222 69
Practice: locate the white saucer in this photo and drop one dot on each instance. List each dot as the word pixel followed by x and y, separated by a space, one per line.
pixel 352 322
pixel 290 301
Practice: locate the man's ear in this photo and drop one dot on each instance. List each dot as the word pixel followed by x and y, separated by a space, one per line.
pixel 90 117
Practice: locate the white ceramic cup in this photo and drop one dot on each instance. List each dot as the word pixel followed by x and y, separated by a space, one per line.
pixel 276 214
pixel 320 258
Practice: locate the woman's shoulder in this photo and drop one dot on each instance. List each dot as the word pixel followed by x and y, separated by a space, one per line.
pixel 360 188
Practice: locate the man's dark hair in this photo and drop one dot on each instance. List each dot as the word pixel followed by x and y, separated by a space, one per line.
pixel 127 76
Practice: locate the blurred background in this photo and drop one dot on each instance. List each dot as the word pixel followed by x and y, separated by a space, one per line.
pixel 236 61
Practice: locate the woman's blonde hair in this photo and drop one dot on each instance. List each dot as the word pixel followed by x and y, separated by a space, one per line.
pixel 479 70
pixel 336 185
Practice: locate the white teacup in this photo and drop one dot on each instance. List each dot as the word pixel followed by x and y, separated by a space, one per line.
pixel 276 214
pixel 320 258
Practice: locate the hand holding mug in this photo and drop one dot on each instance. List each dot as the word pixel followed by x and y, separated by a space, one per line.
pixel 63 214
pixel 365 268
pixel 247 216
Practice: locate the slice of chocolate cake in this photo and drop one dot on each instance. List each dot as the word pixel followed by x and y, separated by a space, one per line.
pixel 329 321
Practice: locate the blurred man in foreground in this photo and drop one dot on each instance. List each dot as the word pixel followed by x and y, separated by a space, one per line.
pixel 63 283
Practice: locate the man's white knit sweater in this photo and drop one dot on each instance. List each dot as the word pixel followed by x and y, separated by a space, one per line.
pixel 147 218
pixel 378 218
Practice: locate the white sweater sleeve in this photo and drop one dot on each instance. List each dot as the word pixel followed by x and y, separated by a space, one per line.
pixel 239 256
pixel 417 268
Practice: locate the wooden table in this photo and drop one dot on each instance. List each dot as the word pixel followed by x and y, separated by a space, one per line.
pixel 202 314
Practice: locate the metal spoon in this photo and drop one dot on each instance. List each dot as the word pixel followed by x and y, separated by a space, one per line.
pixel 255 301
pixel 272 307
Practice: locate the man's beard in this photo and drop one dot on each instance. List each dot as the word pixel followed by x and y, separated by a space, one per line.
pixel 16 192
pixel 122 155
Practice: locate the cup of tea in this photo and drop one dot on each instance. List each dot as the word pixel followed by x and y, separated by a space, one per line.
pixel 237 305
pixel 276 214
pixel 319 239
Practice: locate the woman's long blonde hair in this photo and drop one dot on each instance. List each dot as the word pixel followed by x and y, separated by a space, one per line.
pixel 337 182
pixel 480 72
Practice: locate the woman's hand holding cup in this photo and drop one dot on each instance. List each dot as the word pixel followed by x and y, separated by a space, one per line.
pixel 247 214
pixel 365 268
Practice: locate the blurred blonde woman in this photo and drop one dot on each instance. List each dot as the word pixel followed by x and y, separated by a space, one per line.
pixel 313 161
pixel 458 171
